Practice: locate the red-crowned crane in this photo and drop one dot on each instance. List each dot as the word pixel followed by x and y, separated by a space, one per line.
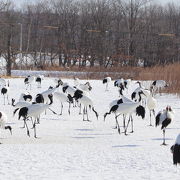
pixel 34 110
pixel 25 97
pixel 5 92
pixel 62 97
pixel 3 120
pixel 164 118
pixel 151 105
pixel 39 79
pixel 158 85
pixel 175 149
pixel 86 101
pixel 106 81
pixel 28 81
pixel 126 108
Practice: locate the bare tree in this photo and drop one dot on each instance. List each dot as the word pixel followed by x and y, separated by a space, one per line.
pixel 9 31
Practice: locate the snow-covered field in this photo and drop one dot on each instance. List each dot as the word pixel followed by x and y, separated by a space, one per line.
pixel 69 148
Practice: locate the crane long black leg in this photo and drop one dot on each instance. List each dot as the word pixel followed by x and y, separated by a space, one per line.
pixel 86 110
pixel 132 124
pixel 26 127
pixel 124 122
pixel 80 109
pixel 34 127
pixel 38 120
pixel 52 111
pixel 32 123
pixel 150 118
pixel 164 137
pixel 116 123
pixel 87 114
pixel 118 127
pixel 83 113
pixel 95 113
pixel 61 108
pixel 154 114
pixel 69 108
pixel 127 126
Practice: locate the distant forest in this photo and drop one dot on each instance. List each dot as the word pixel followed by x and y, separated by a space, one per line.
pixel 103 33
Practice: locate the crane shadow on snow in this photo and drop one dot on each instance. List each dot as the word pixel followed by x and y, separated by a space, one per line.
pixel 84 129
pixel 124 146
pixel 161 139
pixel 54 119
pixel 97 134
pixel 83 137
pixel 10 123
pixel 172 128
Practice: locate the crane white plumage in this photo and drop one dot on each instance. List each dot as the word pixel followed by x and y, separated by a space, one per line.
pixel 58 81
pixel 175 149
pixel 76 81
pixel 158 85
pixel 39 79
pixel 151 105
pixel 138 95
pixel 119 82
pixel 5 92
pixel 25 97
pixel 126 108
pixel 28 81
pixel 34 111
pixel 86 101
pixel 66 88
pixel 19 105
pixel 3 121
pixel 164 118
pixel 62 97
pixel 85 87
pixel 43 96
pixel 106 81
pixel 123 99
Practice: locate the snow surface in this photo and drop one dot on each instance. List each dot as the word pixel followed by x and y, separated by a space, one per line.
pixel 69 149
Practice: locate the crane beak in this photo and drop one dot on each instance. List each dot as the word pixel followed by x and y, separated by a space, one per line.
pixel 10 131
pixel 143 93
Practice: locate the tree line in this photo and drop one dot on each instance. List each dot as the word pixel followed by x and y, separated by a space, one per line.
pixel 104 33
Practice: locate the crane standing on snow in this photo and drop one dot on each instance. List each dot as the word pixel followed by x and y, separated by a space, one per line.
pixel 106 81
pixel 175 149
pixel 164 118
pixel 3 119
